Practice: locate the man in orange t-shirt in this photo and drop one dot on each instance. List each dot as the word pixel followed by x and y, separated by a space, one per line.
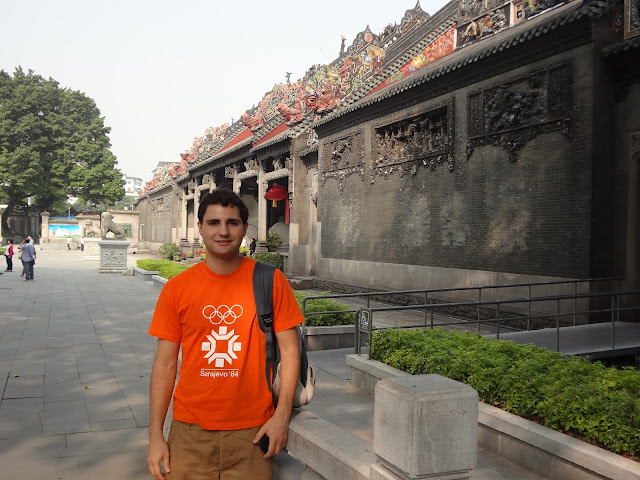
pixel 222 406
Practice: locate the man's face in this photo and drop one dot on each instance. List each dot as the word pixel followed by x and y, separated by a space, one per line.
pixel 222 230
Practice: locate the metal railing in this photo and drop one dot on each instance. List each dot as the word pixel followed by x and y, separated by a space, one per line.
pixel 479 289
pixel 365 317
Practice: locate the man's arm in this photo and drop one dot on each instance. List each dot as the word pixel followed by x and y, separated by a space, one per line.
pixel 163 378
pixel 277 427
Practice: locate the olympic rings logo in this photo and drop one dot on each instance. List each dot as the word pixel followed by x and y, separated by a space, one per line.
pixel 218 315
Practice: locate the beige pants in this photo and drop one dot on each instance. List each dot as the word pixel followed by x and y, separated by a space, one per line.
pixel 198 454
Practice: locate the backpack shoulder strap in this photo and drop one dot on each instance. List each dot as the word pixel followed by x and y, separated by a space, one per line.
pixel 263 296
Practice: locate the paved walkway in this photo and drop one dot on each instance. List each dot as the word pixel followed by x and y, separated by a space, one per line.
pixel 75 363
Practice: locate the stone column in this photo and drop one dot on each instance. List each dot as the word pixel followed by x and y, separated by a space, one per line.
pixel 183 219
pixel 237 183
pixel 44 230
pixel 196 206
pixel 425 426
pixel 262 211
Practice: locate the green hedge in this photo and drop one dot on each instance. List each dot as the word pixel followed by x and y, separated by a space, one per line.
pixel 166 268
pixel 324 305
pixel 567 393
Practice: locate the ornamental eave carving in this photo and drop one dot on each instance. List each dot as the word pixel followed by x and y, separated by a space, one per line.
pixel 282 172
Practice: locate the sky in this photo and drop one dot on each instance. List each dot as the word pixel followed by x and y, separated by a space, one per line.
pixel 162 72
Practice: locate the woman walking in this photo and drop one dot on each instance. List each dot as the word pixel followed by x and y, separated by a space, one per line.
pixel 8 255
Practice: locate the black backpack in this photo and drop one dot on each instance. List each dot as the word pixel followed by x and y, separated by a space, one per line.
pixel 263 295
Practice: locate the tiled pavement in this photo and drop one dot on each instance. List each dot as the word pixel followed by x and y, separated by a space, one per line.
pixel 75 363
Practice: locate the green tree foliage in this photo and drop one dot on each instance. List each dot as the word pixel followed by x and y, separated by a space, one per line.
pixel 53 143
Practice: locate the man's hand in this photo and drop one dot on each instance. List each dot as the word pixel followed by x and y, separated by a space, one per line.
pixel 158 452
pixel 277 429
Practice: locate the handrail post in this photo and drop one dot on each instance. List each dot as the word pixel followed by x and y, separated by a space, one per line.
pixel 431 318
pixel 426 299
pixel 356 337
pixel 529 310
pixel 479 300
pixel 575 302
pixel 558 325
pixel 498 321
pixel 613 322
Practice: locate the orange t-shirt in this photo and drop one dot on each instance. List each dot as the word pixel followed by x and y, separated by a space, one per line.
pixel 222 383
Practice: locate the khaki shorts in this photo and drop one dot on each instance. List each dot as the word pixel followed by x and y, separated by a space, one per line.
pixel 198 454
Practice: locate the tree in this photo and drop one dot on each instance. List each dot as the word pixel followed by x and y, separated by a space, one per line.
pixel 53 144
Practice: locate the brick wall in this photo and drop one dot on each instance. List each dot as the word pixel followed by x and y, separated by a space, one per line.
pixel 529 216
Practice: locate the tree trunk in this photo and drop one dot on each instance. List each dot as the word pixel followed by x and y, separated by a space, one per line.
pixel 4 226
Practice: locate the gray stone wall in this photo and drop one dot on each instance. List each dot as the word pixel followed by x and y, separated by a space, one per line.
pixel 525 212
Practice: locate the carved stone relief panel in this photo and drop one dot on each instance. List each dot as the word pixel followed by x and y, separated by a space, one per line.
pixel 424 138
pixel 342 158
pixel 510 114
pixel 161 205
pixel 631 18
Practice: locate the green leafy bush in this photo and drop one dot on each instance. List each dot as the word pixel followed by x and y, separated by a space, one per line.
pixel 270 258
pixel 324 305
pixel 165 268
pixel 244 251
pixel 567 393
pixel 274 241
pixel 169 250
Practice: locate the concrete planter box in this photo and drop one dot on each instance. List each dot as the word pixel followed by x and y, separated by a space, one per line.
pixel 329 338
pixel 548 453
pixel 146 275
pixel 159 281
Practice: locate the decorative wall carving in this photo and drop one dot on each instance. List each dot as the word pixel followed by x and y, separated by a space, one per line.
pixel 192 185
pixel 631 18
pixel 161 205
pixel 342 158
pixel 252 165
pixel 490 22
pixel 422 139
pixel 230 172
pixel 634 144
pixel 510 114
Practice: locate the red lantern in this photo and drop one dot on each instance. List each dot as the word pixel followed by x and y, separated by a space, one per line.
pixel 275 193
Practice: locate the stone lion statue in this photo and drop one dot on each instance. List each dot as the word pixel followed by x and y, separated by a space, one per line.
pixel 109 226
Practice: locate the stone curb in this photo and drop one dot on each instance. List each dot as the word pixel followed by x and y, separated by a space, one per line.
pixel 537 448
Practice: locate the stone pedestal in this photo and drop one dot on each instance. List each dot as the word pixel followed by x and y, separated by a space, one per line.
pixel 425 426
pixel 91 249
pixel 113 256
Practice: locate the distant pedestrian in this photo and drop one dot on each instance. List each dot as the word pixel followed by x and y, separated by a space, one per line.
pixel 69 242
pixel 30 239
pixel 28 259
pixel 252 246
pixel 8 255
pixel 82 244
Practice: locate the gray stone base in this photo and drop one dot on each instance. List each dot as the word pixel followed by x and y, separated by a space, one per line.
pixel 91 249
pixel 113 256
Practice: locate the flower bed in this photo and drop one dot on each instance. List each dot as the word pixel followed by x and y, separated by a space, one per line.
pixel 569 394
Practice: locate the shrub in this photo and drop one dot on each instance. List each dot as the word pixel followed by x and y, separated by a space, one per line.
pixel 270 258
pixel 274 241
pixel 165 268
pixel 244 251
pixel 566 393
pixel 324 305
pixel 169 250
